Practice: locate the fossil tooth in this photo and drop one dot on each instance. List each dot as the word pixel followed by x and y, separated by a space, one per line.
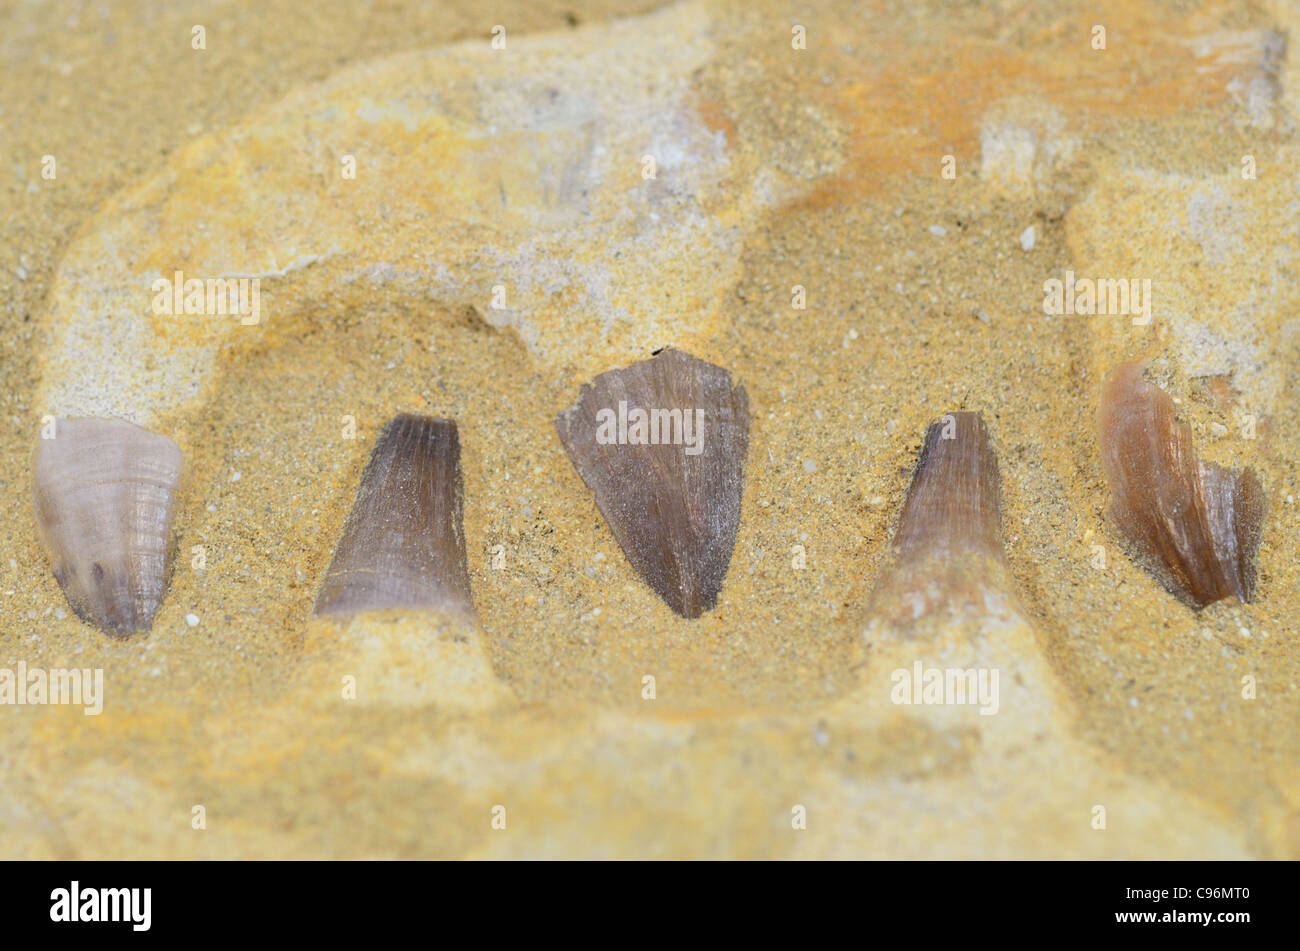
pixel 403 545
pixel 949 561
pixel 661 444
pixel 1194 525
pixel 105 494
pixel 954 501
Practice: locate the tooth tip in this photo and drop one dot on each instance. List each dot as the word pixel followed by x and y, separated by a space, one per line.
pixel 104 493
pixel 403 545
pixel 674 513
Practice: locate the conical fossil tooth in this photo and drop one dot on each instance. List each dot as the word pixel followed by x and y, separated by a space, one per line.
pixel 404 543
pixel 954 501
pixel 661 444
pixel 949 562
pixel 105 493
pixel 1193 524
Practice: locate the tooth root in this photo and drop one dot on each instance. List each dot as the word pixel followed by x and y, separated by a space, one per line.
pixel 674 513
pixel 1192 524
pixel 954 501
pixel 404 544
pixel 415 659
pixel 105 495
pixel 949 565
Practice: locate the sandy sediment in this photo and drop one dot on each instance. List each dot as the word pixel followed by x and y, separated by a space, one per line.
pixel 821 168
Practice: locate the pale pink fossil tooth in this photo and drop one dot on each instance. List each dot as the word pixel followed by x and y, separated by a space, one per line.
pixel 404 542
pixel 669 483
pixel 1194 525
pixel 105 495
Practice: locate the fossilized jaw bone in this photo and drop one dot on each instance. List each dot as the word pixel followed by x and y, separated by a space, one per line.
pixel 404 542
pixel 502 169
pixel 105 494
pixel 949 563
pixel 474 169
pixel 1192 524
pixel 507 168
pixel 673 504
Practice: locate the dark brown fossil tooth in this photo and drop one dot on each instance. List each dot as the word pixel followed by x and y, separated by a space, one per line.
pixel 949 562
pixel 404 543
pixel 954 501
pixel 105 494
pixel 1194 525
pixel 672 503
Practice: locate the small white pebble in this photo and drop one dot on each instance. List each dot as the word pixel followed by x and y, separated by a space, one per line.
pixel 938 230
pixel 234 477
pixel 1027 239
pixel 809 466
pixel 192 620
